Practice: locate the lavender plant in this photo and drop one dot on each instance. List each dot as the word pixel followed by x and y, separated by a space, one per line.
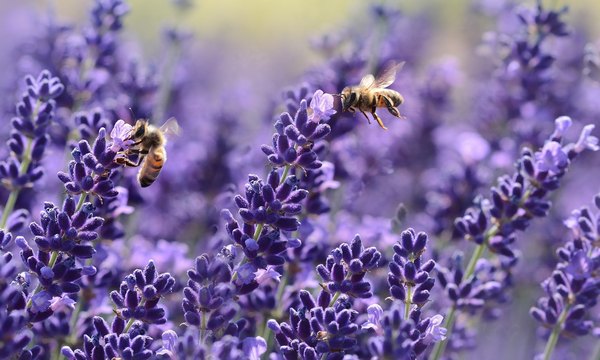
pixel 572 289
pixel 299 244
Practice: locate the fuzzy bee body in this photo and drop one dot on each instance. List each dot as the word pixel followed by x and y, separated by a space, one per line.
pixel 153 164
pixel 371 94
pixel 149 146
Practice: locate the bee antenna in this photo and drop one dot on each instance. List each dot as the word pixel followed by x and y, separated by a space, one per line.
pixel 132 114
pixel 338 95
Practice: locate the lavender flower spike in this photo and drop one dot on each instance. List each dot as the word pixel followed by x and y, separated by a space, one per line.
pixel 574 286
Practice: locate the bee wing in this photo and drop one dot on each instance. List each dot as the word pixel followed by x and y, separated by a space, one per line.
pixel 388 75
pixel 367 81
pixel 170 127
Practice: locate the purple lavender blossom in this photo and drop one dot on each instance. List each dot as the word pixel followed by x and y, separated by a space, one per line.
pixel 13 317
pixel 139 295
pixel 92 168
pixel 111 342
pixel 29 137
pixel 296 136
pixel 345 268
pixel 409 278
pixel 574 286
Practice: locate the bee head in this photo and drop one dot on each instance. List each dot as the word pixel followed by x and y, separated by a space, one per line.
pixel 140 129
pixel 348 97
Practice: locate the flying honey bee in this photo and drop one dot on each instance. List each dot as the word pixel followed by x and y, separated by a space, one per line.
pixel 149 146
pixel 371 94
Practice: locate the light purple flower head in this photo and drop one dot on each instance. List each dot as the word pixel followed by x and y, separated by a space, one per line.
pixel 561 125
pixel 41 301
pixel 254 347
pixel 551 158
pixel 587 140
pixel 435 332
pixel 169 340
pixel 322 106
pixel 375 313
pixel 62 303
pixel 580 266
pixel 263 276
pixel 246 273
pixel 119 136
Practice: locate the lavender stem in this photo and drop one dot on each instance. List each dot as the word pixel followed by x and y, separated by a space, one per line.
pixel 12 198
pixel 553 339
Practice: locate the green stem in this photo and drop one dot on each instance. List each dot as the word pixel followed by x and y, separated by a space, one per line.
pixel 12 198
pixel 258 231
pixel 8 208
pixel 81 201
pixel 553 339
pixel 334 298
pixel 25 162
pixel 440 346
pixel 285 174
pixel 408 302
pixel 56 354
pixel 131 321
pixel 202 327
pixel 449 323
pixel 474 258
pixel 596 353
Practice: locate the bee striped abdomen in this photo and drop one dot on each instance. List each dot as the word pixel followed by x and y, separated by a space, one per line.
pixel 152 165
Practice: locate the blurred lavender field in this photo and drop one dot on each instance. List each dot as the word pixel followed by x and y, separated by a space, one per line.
pixel 282 227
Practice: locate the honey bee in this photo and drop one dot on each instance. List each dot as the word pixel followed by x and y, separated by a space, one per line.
pixel 371 94
pixel 149 146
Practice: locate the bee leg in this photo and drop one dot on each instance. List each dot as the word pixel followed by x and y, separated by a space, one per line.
pixel 127 162
pixel 365 114
pixel 390 107
pixel 376 117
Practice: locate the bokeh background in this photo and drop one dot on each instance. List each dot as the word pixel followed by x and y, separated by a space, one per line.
pixel 230 75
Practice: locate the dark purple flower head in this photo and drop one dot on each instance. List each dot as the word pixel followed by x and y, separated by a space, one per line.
pixel 273 203
pixel 68 230
pixel 468 293
pixel 393 336
pixel 111 342
pixel 209 293
pixel 93 167
pixel 523 196
pixel 56 275
pixel 346 267
pixel 5 240
pixel 139 295
pixel 29 136
pixel 89 123
pixel 314 331
pixel 545 21
pixel 107 19
pixel 294 142
pixel 574 286
pixel 409 275
pixel 13 317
